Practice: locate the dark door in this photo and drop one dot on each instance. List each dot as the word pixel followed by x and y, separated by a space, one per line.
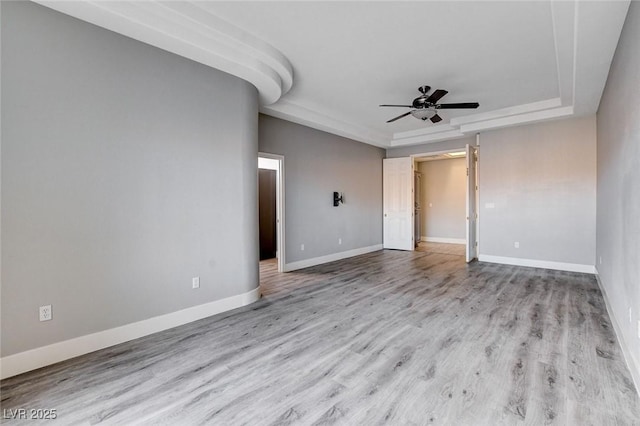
pixel 267 203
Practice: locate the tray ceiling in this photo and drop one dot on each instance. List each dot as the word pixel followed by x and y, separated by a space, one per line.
pixel 328 65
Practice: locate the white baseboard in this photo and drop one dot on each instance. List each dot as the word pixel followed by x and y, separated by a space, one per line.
pixel 46 355
pixel 560 266
pixel 631 365
pixel 288 267
pixel 443 240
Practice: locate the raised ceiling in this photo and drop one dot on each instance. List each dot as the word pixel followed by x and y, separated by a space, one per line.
pixel 329 65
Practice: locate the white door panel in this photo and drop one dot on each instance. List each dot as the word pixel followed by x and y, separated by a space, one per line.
pixel 398 203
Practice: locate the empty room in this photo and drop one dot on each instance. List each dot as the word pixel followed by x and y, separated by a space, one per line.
pixel 301 213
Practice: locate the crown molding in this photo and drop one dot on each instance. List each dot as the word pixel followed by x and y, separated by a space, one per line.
pixel 311 117
pixel 188 30
pixel 507 112
pixel 459 127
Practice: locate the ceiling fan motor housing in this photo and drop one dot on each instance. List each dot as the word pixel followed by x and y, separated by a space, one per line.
pixel 421 102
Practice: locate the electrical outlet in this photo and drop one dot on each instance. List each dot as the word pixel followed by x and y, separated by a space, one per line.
pixel 516 244
pixel 600 260
pixel 301 247
pixel 339 241
pixel 195 282
pixel 46 313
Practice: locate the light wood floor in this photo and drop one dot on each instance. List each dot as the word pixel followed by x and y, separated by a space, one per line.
pixel 442 248
pixel 390 337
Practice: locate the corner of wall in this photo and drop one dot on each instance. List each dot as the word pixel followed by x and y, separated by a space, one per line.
pixel 632 364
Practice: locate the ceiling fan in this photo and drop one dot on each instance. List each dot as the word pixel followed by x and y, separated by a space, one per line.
pixel 424 105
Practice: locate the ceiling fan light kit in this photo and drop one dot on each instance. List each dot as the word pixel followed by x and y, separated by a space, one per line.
pixel 422 114
pixel 425 105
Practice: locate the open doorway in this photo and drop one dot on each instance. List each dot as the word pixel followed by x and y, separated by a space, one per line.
pixel 446 197
pixel 440 199
pixel 271 209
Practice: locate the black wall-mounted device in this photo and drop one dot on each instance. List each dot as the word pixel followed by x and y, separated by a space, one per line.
pixel 337 199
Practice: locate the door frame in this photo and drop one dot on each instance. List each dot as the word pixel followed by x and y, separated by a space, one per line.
pixel 471 207
pixel 477 147
pixel 280 216
pixel 477 191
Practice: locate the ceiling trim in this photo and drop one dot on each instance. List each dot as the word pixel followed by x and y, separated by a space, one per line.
pixel 459 127
pixel 187 30
pixel 515 120
pixel 290 111
pixel 506 112
pixel 435 137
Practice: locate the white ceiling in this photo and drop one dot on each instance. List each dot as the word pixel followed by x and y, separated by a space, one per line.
pixel 329 65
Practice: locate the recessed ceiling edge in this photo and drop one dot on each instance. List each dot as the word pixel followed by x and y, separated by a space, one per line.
pixel 187 30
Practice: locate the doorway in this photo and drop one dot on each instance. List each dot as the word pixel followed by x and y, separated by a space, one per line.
pixel 271 209
pixel 441 216
pixel 449 201
pixel 405 204
pixel 267 214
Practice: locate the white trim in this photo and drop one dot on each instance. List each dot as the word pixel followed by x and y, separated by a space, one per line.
pixel 437 153
pixel 507 112
pixel 46 355
pixel 533 263
pixel 330 258
pixel 429 137
pixel 633 368
pixel 460 127
pixel 194 31
pixel 478 194
pixel 436 128
pixel 443 240
pixel 280 193
pixel 290 111
pixel 517 120
pixel 188 30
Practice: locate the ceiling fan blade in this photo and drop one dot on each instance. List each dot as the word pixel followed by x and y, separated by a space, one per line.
pixel 404 106
pixel 436 118
pixel 435 96
pixel 459 105
pixel 399 117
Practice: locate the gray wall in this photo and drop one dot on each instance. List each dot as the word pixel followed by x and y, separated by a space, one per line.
pixel 541 179
pixel 316 164
pixel 126 171
pixel 426 148
pixel 618 225
pixel 444 186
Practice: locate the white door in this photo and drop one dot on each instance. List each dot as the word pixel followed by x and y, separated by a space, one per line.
pixel 397 193
pixel 471 252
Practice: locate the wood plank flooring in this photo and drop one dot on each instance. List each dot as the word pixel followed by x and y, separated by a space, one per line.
pixel 443 248
pixel 399 338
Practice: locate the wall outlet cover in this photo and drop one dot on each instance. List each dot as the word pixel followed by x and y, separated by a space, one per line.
pixel 45 313
pixel 195 282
